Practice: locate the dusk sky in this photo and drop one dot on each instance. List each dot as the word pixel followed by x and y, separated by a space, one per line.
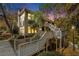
pixel 31 6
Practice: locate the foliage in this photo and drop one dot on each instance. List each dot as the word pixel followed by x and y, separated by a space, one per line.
pixel 65 23
pixel 38 18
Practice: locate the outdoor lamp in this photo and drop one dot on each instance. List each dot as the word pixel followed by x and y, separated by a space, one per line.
pixel 73 27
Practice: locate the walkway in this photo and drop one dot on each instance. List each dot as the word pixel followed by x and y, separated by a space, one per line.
pixel 35 46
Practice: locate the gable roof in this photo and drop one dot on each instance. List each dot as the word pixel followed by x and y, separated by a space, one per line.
pixel 21 11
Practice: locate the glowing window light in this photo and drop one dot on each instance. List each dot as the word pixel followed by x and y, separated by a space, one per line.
pixel 32 30
pixel 29 16
pixel 29 29
pixel 35 31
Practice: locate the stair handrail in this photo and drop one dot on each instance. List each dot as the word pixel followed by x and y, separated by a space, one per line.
pixel 33 40
pixel 53 28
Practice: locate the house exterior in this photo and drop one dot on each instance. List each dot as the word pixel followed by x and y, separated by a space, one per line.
pixel 24 16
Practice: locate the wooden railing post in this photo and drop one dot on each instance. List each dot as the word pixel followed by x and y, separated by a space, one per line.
pixel 56 44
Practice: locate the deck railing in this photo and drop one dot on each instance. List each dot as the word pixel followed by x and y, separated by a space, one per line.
pixel 32 47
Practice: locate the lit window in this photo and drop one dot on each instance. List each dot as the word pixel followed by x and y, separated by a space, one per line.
pixel 29 16
pixel 35 31
pixel 29 29
pixel 32 30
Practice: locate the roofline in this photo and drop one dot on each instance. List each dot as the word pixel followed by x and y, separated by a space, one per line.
pixel 24 10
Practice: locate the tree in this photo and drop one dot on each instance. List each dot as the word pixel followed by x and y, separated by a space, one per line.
pixel 38 18
pixel 66 22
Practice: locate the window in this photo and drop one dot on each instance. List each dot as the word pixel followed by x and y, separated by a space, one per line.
pixel 35 31
pixel 31 30
pixel 22 30
pixel 29 16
